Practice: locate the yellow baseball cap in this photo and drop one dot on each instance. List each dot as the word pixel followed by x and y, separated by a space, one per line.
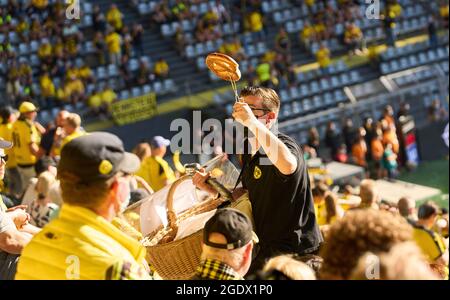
pixel 27 107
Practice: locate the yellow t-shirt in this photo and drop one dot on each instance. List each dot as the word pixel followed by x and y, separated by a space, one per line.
pixel 431 243
pixel 25 133
pixel 443 11
pixel 108 96
pixel 307 32
pixel 156 171
pixel 40 3
pixel 256 22
pixel 74 86
pixel 321 213
pixel 114 17
pixel 323 57
pixel 161 67
pixel 84 72
pixel 45 51
pixel 95 100
pixel 6 132
pixel 47 86
pixel 113 42
pixel 353 33
pixel 70 137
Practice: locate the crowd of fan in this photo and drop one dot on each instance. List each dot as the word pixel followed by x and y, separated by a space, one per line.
pixel 357 225
pixel 63 75
pixel 377 146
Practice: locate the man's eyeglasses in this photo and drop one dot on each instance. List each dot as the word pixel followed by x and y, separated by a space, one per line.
pixel 4 158
pixel 265 110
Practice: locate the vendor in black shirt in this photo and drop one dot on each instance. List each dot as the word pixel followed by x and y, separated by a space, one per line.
pixel 277 181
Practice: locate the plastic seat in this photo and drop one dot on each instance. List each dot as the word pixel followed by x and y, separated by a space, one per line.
pixel 293 91
pixel 125 94
pixel 146 89
pixel 135 92
pixel 190 51
pixel 169 85
pixel 158 88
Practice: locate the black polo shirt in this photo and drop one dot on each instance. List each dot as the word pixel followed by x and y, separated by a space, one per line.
pixel 282 205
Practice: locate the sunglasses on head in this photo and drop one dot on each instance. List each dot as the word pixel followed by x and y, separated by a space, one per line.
pixel 4 158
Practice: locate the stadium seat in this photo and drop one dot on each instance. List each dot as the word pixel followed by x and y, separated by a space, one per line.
pixel 169 85
pixel 143 8
pixel 261 48
pixel 294 93
pixel 146 89
pixel 190 51
pixel 34 46
pixel 158 88
pixel 296 108
pixel 284 95
pixel 136 91
pixel 431 55
pixel 112 70
pixel 199 49
pixel 124 94
pixel 210 46
pixel 250 50
pixel 165 30
pixel 23 49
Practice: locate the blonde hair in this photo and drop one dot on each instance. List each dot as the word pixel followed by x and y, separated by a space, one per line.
pixel 74 120
pixel 368 193
pixel 142 150
pixel 234 258
pixel 291 268
pixel 404 261
pixel 44 183
pixel 331 204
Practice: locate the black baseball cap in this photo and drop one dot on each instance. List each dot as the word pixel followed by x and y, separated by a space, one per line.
pixel 233 224
pixel 94 157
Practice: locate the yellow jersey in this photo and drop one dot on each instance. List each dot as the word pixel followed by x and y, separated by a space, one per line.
pixel 79 244
pixel 24 134
pixel 431 243
pixel 156 172
pixel 6 132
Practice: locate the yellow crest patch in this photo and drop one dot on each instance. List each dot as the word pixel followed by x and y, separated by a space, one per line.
pixel 257 173
pixel 105 167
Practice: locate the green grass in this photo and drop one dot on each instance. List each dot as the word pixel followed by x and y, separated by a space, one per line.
pixel 433 174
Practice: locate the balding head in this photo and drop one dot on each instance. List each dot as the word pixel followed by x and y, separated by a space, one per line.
pixel 368 193
pixel 61 118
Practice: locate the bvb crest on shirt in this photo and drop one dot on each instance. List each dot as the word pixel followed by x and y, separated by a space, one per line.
pixel 257 173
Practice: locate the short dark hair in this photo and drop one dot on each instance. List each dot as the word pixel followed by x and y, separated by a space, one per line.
pixel 427 209
pixel 43 163
pixel 270 98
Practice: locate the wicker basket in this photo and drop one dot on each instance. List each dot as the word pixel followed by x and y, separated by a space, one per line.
pixel 177 259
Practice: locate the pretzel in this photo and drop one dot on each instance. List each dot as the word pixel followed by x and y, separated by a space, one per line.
pixel 225 67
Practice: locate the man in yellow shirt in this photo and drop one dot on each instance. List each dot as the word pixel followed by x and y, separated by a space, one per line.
pixel 353 38
pixel 72 130
pixel 8 115
pixel 108 96
pixel 154 169
pixel 26 138
pixel 45 50
pixel 256 24
pixel 114 17
pixel 430 242
pixel 82 243
pixel 161 68
pixel 113 41
pixel 323 58
pixel 47 86
pixel 308 34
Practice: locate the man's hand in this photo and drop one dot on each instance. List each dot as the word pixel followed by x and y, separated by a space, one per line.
pixel 20 217
pixel 243 114
pixel 199 180
pixel 24 207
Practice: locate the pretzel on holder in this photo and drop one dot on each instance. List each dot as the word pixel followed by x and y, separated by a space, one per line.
pixel 223 66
